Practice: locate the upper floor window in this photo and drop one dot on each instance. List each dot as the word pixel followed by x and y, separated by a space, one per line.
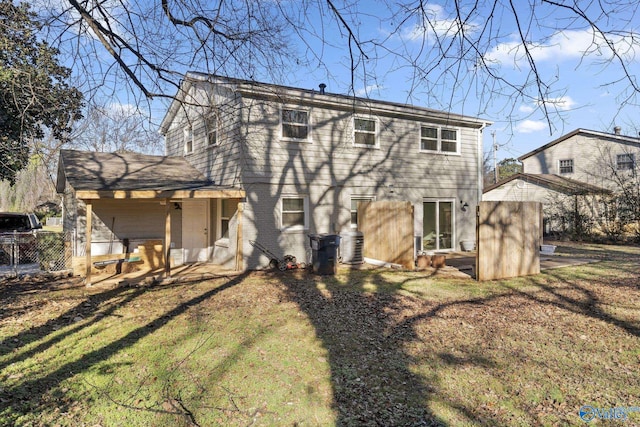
pixel 365 132
pixel 439 139
pixel 295 124
pixel 188 140
pixel 294 212
pixel 211 126
pixel 625 162
pixel 566 166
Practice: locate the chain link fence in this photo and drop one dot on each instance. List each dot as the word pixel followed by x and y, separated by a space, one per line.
pixel 34 252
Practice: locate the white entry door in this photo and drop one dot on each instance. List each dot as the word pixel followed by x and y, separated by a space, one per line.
pixel 195 233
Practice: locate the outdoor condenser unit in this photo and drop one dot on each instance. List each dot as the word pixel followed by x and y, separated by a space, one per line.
pixel 351 247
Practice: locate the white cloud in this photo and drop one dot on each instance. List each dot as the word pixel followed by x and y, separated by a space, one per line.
pixel 563 103
pixel 365 91
pixel 529 126
pixel 526 109
pixel 438 24
pixel 563 45
pixel 123 109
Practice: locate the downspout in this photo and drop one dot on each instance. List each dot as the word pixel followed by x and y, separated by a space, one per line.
pixel 479 165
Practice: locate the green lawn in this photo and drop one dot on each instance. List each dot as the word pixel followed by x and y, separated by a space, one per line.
pixel 373 347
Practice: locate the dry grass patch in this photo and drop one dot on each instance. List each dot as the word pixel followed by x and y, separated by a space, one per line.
pixel 370 347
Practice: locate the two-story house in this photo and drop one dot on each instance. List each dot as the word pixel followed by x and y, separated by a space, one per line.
pixel 580 163
pixel 595 158
pixel 297 162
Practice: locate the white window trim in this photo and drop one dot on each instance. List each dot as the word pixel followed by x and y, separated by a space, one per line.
pixel 630 156
pixel 376 133
pixel 454 231
pixel 213 116
pixel 309 124
pixel 187 134
pixel 439 141
pixel 220 241
pixel 305 207
pixel 560 166
pixel 361 197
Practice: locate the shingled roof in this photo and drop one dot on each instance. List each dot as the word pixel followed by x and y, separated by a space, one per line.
pixel 554 182
pixel 86 171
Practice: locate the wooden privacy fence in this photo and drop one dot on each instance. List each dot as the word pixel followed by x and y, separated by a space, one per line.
pixel 387 227
pixel 508 239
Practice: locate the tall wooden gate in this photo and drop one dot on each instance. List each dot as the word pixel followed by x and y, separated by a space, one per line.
pixel 508 239
pixel 387 227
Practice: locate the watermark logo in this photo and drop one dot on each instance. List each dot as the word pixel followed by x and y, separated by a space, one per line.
pixel 620 413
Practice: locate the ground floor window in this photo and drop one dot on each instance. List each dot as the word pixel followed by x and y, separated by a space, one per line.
pixel 437 225
pixel 355 201
pixel 294 212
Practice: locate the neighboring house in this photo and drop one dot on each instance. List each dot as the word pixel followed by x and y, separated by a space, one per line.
pixel 582 164
pixel 597 158
pixel 553 191
pixel 295 162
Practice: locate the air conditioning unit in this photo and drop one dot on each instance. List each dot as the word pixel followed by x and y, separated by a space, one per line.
pixel 351 247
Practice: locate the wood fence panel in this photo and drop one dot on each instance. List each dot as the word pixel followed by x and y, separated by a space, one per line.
pixel 387 227
pixel 508 239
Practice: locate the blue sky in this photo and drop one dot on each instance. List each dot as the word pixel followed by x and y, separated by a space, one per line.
pixel 586 84
pixel 580 68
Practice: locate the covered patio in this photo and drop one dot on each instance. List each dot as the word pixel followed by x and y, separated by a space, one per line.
pixel 130 208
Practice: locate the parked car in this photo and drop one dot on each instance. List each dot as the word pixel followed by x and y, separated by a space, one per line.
pixel 23 248
pixel 20 222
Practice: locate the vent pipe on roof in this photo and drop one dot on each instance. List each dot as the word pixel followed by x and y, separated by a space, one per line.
pixel 322 87
pixel 617 130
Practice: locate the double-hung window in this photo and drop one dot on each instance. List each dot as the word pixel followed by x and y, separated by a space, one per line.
pixel 625 162
pixel 227 210
pixel 188 140
pixel 566 166
pixel 211 126
pixel 365 132
pixel 355 201
pixel 439 139
pixel 296 124
pixel 294 212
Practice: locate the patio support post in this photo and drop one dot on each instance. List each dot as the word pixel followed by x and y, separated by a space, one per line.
pixel 239 245
pixel 89 215
pixel 167 238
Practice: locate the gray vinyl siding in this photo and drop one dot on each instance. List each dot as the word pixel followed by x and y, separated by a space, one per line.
pixel 327 169
pixel 221 162
pixel 594 158
pixel 519 190
pixel 331 158
pixel 115 220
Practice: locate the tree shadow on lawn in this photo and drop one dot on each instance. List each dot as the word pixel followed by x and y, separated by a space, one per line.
pixel 371 337
pixel 366 335
pixel 24 394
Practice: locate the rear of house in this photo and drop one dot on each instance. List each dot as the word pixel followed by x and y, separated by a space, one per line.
pixel 306 158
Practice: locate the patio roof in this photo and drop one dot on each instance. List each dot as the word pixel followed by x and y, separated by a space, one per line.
pixel 95 175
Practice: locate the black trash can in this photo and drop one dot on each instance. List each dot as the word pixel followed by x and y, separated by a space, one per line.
pixel 324 252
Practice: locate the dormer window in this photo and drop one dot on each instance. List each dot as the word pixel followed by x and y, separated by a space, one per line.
pixel 295 124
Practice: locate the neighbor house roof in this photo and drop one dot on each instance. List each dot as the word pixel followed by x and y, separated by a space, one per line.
pixel 553 182
pixel 313 97
pixel 603 135
pixel 95 175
